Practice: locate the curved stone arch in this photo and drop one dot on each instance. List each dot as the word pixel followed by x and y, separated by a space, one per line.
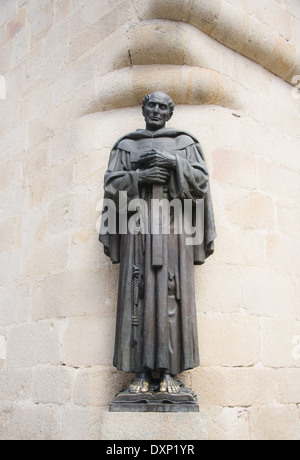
pixel 185 84
pixel 170 36
pixel 174 57
pixel 169 42
pixel 233 28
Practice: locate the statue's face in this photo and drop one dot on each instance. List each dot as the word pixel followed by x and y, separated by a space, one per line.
pixel 157 111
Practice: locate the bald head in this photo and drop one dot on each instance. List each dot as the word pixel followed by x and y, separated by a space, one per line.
pixel 158 108
pixel 161 97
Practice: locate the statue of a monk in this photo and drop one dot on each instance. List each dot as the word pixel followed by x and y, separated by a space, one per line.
pixel 156 328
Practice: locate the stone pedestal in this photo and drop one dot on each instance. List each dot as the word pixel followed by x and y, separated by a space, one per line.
pixel 156 401
pixel 154 426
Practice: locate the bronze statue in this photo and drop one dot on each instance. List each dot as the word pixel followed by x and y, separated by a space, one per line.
pixel 156 329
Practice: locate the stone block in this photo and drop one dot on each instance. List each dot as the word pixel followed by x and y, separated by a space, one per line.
pixel 41 22
pixel 205 16
pixel 14 142
pixel 286 55
pixel 34 70
pixel 29 423
pixel 174 10
pixel 2 348
pixel 10 112
pixel 229 340
pixel 6 58
pixel 187 85
pixel 293 7
pixel 150 426
pixel 274 16
pixel 202 50
pixel 234 387
pixel 247 5
pixel 15 303
pixel 239 247
pixel 21 46
pixel 52 385
pixel 32 107
pixel 85 291
pixel 84 37
pixel 9 234
pixel 89 341
pixel 73 211
pixel 89 170
pixel 58 37
pixel 47 256
pixel 215 285
pixel 260 43
pixel 86 250
pixel 56 63
pixel 283 253
pixel 98 386
pixel 61 9
pixel 8 10
pixel 284 120
pixel 50 183
pixel 10 267
pixel 34 226
pixel 2 88
pixel 15 384
pixel 35 5
pixel 274 423
pixel 234 167
pixel 16 24
pixel 74 79
pixel 287 385
pixel 232 28
pixel 228 424
pixel 249 210
pixel 75 423
pixel 112 52
pixel 268 292
pixel 280 342
pixel 276 146
pixel 288 213
pixel 33 343
pixel 278 180
pixel 166 44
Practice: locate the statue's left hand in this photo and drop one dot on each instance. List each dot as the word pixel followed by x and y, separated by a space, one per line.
pixel 159 158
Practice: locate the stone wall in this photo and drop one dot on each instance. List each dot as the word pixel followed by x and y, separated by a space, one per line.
pixel 73 73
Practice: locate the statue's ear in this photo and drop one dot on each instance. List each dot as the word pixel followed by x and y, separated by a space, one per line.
pixel 170 116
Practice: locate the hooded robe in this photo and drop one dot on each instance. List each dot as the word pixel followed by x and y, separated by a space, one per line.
pixel 156 313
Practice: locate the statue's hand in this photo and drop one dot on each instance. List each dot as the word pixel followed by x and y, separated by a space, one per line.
pixel 154 175
pixel 159 158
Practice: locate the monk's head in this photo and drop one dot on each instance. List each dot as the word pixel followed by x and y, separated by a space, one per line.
pixel 158 108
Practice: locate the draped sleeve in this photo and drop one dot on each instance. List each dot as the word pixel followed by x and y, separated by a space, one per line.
pixel 191 179
pixel 120 177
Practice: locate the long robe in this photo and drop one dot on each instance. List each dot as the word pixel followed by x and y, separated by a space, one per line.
pixel 161 333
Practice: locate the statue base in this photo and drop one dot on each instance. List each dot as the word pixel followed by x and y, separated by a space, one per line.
pixel 156 401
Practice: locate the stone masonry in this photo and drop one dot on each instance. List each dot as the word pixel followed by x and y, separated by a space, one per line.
pixel 72 77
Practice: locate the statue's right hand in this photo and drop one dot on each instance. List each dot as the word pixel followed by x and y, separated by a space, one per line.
pixel 155 175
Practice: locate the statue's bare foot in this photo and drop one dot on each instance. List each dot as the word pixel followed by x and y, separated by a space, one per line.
pixel 140 385
pixel 169 385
